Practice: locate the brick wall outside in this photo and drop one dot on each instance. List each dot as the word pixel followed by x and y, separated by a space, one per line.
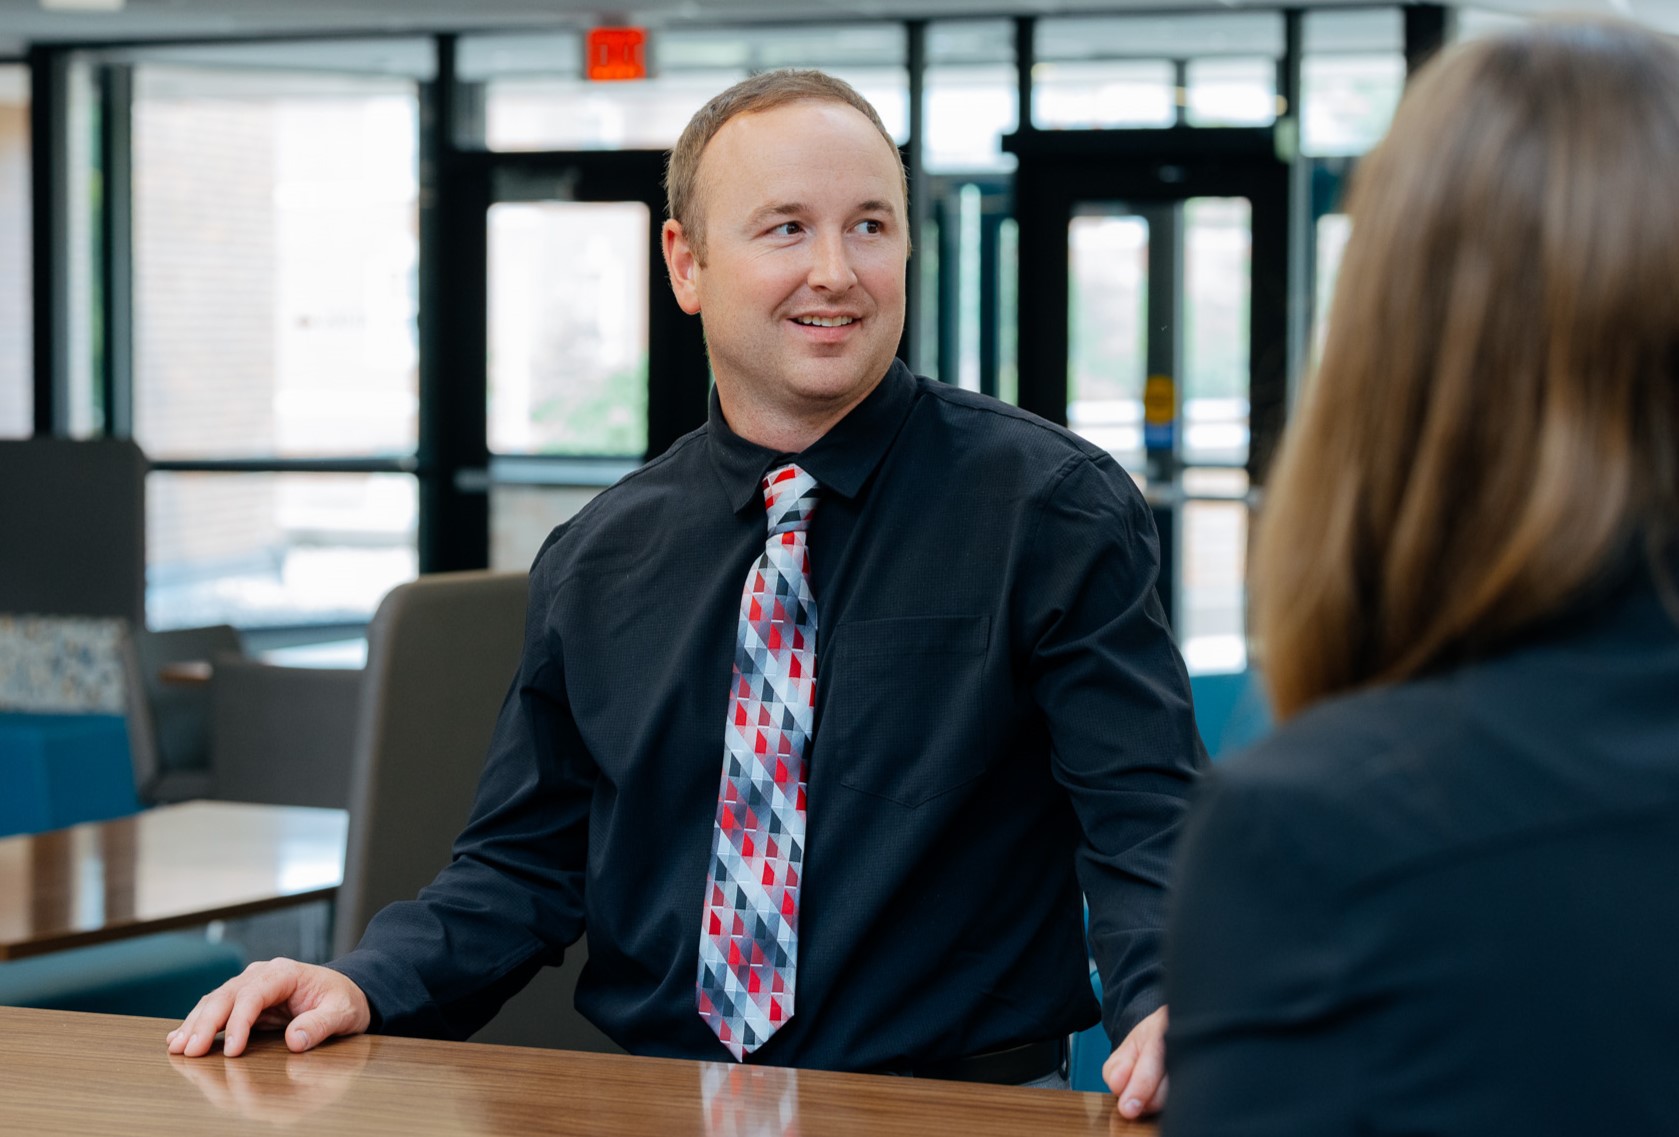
pixel 204 260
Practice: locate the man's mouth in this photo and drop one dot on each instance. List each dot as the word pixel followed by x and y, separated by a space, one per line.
pixel 824 321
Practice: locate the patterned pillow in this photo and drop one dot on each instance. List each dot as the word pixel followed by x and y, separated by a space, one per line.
pixel 62 664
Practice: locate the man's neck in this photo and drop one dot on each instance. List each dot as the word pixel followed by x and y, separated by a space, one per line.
pixel 781 429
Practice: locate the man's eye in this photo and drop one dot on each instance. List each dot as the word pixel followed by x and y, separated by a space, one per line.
pixel 871 227
pixel 787 229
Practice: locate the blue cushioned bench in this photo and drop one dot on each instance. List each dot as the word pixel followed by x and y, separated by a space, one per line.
pixel 161 976
pixel 58 770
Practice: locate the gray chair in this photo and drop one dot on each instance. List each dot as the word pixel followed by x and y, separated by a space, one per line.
pixel 282 735
pixel 441 652
pixel 179 768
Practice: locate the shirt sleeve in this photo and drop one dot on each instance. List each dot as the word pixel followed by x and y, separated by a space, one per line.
pixel 1265 1028
pixel 1115 696
pixel 511 900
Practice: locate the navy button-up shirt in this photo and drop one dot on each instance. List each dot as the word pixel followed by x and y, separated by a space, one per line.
pixel 1002 723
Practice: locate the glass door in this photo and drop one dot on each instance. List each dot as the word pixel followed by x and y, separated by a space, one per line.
pixel 1151 323
pixel 590 367
pixel 1157 375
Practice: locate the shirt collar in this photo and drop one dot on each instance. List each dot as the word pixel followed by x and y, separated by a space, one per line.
pixel 841 460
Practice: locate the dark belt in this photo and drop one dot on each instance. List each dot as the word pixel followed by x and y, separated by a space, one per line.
pixel 1008 1067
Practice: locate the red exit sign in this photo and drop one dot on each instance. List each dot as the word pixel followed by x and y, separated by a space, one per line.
pixel 616 53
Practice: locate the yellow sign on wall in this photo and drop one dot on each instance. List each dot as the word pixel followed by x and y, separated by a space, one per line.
pixel 1160 412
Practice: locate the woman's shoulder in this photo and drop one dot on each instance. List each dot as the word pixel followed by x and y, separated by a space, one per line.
pixel 1335 748
pixel 1349 789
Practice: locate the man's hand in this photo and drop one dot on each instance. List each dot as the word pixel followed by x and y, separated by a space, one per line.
pixel 317 1002
pixel 1136 1070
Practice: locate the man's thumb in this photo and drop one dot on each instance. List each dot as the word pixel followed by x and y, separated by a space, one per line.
pixel 312 1028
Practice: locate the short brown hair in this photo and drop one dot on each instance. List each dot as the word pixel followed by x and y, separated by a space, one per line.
pixel 761 92
pixel 1495 419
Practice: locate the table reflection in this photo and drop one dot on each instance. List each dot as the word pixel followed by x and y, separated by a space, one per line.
pixel 377 1084
pixel 69 1073
pixel 280 1092
pixel 749 1101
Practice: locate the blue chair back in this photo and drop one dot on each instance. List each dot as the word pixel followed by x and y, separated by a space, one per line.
pixel 1231 710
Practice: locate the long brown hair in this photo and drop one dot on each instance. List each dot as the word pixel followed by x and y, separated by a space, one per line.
pixel 1495 416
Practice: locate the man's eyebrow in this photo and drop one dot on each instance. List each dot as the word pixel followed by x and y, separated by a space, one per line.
pixel 777 209
pixel 796 208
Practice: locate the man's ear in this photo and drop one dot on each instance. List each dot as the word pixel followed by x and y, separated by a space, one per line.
pixel 683 266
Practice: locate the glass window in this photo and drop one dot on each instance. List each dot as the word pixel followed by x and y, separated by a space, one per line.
pixel 568 328
pixel 1333 229
pixel 1075 95
pixel 84 409
pixel 1477 23
pixel 16 374
pixel 1212 602
pixel 1008 305
pixel 1350 99
pixel 1120 71
pixel 537 99
pixel 275 259
pixel 1218 239
pixel 522 516
pixel 1232 92
pixel 925 260
pixel 266 550
pixel 965 374
pixel 1351 78
pixel 1107 348
pixel 972 97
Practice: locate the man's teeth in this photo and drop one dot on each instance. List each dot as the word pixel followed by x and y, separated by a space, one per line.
pixel 825 321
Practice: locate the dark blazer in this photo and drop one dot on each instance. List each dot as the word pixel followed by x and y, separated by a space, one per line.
pixel 1446 907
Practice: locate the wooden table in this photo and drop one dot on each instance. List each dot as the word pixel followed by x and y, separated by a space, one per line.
pixel 65 1073
pixel 171 867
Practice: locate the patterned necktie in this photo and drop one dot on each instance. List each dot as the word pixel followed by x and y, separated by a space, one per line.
pixel 749 940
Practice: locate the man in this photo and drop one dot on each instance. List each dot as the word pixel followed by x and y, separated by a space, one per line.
pixel 945 682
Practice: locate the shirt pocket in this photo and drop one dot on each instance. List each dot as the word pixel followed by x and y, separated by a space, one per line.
pixel 902 706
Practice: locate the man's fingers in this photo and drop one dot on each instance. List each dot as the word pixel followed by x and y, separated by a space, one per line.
pixel 193 1037
pixel 248 1006
pixel 234 1006
pixel 1148 1077
pixel 1136 1071
pixel 1116 1071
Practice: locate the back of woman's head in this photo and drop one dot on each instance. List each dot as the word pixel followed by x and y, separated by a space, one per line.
pixel 1496 411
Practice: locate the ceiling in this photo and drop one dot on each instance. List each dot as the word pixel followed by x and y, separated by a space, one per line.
pixel 28 21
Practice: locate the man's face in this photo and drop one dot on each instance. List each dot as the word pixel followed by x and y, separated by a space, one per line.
pixel 802 285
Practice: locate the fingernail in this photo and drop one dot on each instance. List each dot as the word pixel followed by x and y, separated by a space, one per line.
pixel 192 1042
pixel 1133 1107
pixel 301 1037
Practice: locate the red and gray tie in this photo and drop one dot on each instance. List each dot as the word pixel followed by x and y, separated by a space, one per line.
pixel 749 940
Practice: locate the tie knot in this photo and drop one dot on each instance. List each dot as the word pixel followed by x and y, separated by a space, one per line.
pixel 789 499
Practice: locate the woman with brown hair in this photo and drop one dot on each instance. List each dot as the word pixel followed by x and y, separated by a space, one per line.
pixel 1442 897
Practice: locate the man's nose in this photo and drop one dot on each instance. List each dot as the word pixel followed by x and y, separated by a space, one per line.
pixel 830 267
